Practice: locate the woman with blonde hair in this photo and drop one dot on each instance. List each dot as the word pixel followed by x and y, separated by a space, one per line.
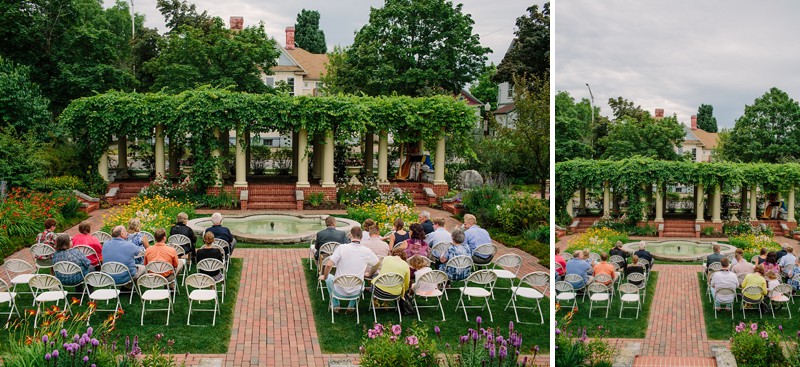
pixel 209 252
pixel 137 237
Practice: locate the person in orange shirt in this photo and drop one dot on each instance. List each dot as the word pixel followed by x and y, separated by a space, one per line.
pixel 161 252
pixel 604 267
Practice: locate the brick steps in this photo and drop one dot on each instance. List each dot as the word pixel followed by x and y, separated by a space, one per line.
pixel 679 228
pixel 271 198
pixel 273 205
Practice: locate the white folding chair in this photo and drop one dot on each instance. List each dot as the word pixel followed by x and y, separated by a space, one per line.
pixel 782 293
pixel 154 288
pixel 595 257
pixel 754 259
pixel 565 292
pixel 484 278
pixel 181 259
pixel 47 288
pixel 629 293
pixel 325 251
pixel 574 279
pixel 640 281
pixel 616 259
pixel 724 293
pixel 438 249
pixel 43 256
pixel 87 251
pixel 312 250
pixel 646 266
pixel 713 268
pixel 566 256
pixel 104 289
pixel 485 250
pixel 425 260
pixel 69 269
pixel 113 268
pixel 387 280
pixel 786 270
pixel 606 280
pixel 150 238
pixel 458 264
pixel 182 241
pixel 437 279
pixel 598 293
pixel 7 296
pixel 19 272
pixel 205 290
pixel 101 236
pixel 212 265
pixel 753 289
pixel 226 247
pixel 534 280
pixel 347 282
pixel 161 268
pixel 558 269
pixel 509 265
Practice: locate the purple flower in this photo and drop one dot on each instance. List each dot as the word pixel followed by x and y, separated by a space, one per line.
pixel 478 320
pixel 86 359
pixel 536 349
pixel 63 333
pixel 491 352
pixel 76 337
pixel 95 342
pixel 47 357
pixel 93 365
pixel 463 339
pixel 503 352
pixel 89 331
pixel 437 330
pixel 511 326
pixel 55 353
pixel 780 327
pixel 44 338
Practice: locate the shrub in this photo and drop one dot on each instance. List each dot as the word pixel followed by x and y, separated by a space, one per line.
pixel 181 191
pixel 316 199
pixel 370 192
pixel 744 228
pixel 574 347
pixel 483 202
pixel 754 345
pixel 59 183
pixel 487 347
pixel 532 246
pixel 597 240
pixel 752 244
pixel 541 234
pixel 383 214
pixel 222 200
pixel 22 163
pixel 389 346
pixel 156 212
pixel 523 212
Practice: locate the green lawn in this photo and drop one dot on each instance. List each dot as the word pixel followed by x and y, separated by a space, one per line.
pixel 345 336
pixel 200 337
pixel 722 327
pixel 613 325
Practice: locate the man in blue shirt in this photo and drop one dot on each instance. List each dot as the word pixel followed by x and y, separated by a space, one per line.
pixel 578 265
pixel 221 232
pixel 119 249
pixel 474 237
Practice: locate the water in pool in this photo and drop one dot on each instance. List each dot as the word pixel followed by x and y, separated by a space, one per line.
pixel 680 248
pixel 272 226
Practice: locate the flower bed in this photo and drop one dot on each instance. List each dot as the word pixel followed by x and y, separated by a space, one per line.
pixel 752 244
pixel 23 213
pixel 597 240
pixel 764 345
pixel 383 214
pixel 153 212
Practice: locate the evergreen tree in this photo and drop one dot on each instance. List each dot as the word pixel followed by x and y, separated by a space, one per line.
pixel 307 34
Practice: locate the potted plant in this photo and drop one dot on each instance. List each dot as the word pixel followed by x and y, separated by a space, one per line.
pixel 186 165
pixel 353 165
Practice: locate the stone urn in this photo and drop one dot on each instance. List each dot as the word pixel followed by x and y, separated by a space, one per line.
pixel 353 172
pixel 187 170
pixel 733 212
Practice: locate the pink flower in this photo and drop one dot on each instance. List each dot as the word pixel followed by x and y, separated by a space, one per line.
pixel 754 326
pixel 764 334
pixel 371 333
pixel 412 340
pixel 396 329
pixel 393 338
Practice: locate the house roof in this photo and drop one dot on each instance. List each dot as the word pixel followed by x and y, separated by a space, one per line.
pixel 505 109
pixel 705 138
pixel 469 98
pixel 313 64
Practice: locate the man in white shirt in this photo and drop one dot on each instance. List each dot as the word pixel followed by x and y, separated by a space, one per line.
pixel 439 234
pixel 375 243
pixel 788 259
pixel 349 259
pixel 724 279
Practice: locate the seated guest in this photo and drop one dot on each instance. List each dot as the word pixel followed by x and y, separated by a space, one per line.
pixel 138 238
pixel 788 259
pixel 756 278
pixel 715 257
pixel 439 234
pixel 75 256
pixel 644 255
pixel 424 219
pixel 329 234
pixel 560 260
pixel 724 279
pixel 396 263
pixel 794 272
pixel 771 264
pixel 459 248
pixel 84 238
pixel 618 251
pixel 421 268
pixel 375 243
pixel 578 266
pixel 783 251
pixel 119 249
pixel 474 237
pixel 181 228
pixel 210 252
pixel 161 252
pixel 604 267
pixel 416 245
pixel 221 232
pixel 762 256
pixel 772 281
pixel 634 267
pixel 742 266
pixel 368 223
pixel 47 237
pixel 349 259
pixel 399 235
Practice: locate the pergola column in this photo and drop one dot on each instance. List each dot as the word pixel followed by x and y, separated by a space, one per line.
pixel 606 199
pixel 241 160
pixel 715 211
pixel 753 204
pixel 438 173
pixel 570 210
pixel 102 166
pixel 161 168
pixel 710 203
pixel 122 156
pixel 790 206
pixel 743 202
pixel 327 161
pixel 699 203
pixel 659 206
pixel 295 149
pixel 216 153
pixel 369 153
pixel 383 157
pixel 302 158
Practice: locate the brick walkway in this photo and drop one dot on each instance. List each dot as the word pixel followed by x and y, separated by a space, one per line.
pixel 273 323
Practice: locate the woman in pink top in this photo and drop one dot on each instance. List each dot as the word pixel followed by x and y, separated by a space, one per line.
pixel 416 245
pixel 86 239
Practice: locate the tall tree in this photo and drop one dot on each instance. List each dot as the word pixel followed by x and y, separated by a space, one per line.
pixel 485 89
pixel 307 34
pixel 179 13
pixel 22 106
pixel 636 132
pixel 769 131
pixel 413 47
pixel 529 53
pixel 573 128
pixel 706 119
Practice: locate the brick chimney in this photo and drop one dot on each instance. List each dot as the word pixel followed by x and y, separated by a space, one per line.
pixel 237 23
pixel 694 122
pixel 659 113
pixel 290 38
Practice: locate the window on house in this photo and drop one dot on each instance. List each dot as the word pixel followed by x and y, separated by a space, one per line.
pixel 694 153
pixel 270 81
pixel 290 83
pixel 510 91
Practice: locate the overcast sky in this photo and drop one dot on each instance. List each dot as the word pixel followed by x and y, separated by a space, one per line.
pixel 339 19
pixel 678 54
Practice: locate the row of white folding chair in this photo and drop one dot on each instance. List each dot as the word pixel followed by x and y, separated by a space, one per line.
pixel 537 282
pixel 484 250
pixel 8 296
pixel 325 251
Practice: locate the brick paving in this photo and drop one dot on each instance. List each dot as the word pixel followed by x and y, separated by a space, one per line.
pixel 273 323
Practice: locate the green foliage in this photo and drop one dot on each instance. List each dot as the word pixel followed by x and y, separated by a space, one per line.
pixel 596 239
pixel 487 347
pixel 22 106
pixel 483 202
pixel 485 89
pixel 316 199
pixel 635 132
pixel 530 134
pixel 541 234
pixel 260 155
pixel 574 129
pixel 307 35
pixel 533 242
pixel 388 346
pixel 59 183
pixel 767 132
pixel 530 51
pixel 222 200
pixel 161 187
pixel 22 161
pixel 752 244
pixel 523 212
pixel 754 345
pixel 178 13
pixel 705 118
pixel 383 213
pixel 413 48
pixel 582 347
